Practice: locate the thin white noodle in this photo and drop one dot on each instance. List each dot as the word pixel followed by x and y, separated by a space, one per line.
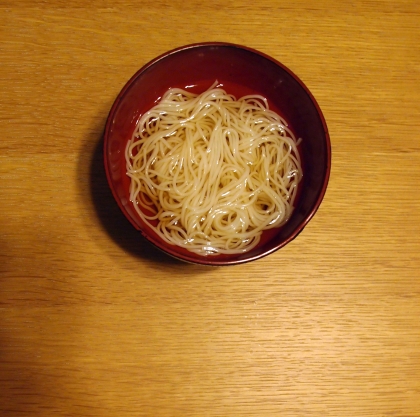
pixel 210 173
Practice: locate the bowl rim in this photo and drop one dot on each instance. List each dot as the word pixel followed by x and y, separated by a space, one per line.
pixel 212 260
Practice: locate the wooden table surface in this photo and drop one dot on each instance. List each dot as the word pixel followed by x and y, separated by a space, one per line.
pixel 96 322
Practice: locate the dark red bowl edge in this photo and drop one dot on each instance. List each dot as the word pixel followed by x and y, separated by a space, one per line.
pixel 210 261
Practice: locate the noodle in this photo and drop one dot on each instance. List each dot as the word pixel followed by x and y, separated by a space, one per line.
pixel 209 173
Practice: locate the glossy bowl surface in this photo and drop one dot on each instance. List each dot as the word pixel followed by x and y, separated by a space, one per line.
pixel 242 71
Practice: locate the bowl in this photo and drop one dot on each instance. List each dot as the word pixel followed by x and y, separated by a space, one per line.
pixel 242 71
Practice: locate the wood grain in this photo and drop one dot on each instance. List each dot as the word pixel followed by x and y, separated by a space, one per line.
pixel 96 322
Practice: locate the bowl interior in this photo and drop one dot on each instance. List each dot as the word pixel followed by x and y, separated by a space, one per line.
pixel 241 71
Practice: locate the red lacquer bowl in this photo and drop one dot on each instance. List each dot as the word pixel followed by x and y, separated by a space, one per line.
pixel 242 71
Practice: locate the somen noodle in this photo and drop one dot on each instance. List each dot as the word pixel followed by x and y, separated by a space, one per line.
pixel 210 173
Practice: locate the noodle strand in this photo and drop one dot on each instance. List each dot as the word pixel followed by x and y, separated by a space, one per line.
pixel 210 173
